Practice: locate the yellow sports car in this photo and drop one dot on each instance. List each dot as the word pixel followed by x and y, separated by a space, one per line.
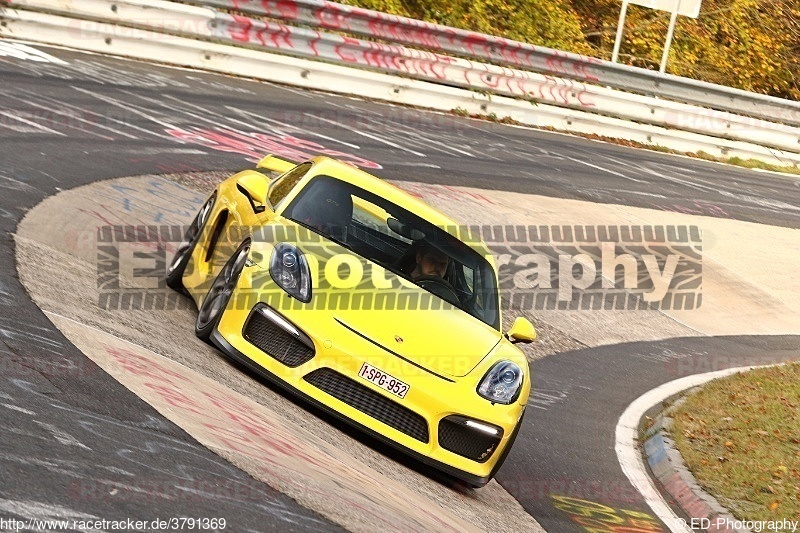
pixel 364 301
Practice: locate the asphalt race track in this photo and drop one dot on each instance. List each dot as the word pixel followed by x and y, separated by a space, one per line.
pixel 69 119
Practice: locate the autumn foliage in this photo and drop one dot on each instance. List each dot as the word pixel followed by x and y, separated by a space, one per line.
pixel 749 44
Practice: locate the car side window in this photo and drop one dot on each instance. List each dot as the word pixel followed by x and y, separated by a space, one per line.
pixel 469 278
pixel 280 188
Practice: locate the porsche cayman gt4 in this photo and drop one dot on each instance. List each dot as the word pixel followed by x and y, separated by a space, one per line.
pixel 365 301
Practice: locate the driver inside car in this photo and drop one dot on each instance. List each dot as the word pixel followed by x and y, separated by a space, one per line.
pixel 430 262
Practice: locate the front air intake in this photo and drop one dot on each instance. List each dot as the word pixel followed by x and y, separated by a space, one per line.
pixel 369 402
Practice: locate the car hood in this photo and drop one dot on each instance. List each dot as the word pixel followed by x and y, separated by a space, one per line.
pixel 448 342
pixel 400 317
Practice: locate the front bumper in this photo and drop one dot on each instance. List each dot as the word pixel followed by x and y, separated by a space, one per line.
pixel 431 397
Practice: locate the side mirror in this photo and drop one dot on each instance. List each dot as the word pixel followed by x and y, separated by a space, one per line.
pixel 522 331
pixel 254 186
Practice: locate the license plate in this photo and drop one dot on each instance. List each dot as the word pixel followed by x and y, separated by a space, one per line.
pixel 383 380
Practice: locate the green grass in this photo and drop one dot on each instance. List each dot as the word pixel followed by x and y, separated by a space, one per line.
pixel 755 163
pixel 740 437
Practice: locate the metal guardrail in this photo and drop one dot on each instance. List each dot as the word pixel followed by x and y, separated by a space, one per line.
pixel 497 50
pixel 156 17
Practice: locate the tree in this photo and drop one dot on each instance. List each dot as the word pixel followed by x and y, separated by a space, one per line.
pixel 749 44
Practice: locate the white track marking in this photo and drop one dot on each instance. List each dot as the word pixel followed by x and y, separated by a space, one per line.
pixel 17 408
pixel 18 118
pixel 643 193
pixel 34 512
pixel 61 436
pixel 440 147
pixel 73 116
pixel 420 165
pixel 313 133
pixel 208 116
pixel 598 167
pixel 181 110
pixel 421 140
pixel 368 135
pixel 104 117
pixel 161 151
pixel 304 94
pixel 27 53
pixel 131 108
pixel 630 457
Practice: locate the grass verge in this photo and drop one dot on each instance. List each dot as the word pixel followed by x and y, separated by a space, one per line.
pixel 740 437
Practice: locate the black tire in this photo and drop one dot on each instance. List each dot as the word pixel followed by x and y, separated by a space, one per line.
pixel 177 267
pixel 213 306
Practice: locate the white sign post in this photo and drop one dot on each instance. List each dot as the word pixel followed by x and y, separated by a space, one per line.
pixel 620 25
pixel 687 8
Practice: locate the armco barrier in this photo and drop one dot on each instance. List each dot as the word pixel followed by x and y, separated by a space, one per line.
pixel 195 21
pixel 401 30
pixel 151 44
pixel 147 45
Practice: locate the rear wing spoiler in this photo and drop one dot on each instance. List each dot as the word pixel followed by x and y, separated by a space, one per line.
pixel 276 164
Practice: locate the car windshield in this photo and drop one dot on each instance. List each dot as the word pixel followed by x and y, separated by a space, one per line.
pixel 400 241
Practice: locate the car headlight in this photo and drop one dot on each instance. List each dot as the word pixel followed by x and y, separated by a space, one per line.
pixel 289 268
pixel 502 383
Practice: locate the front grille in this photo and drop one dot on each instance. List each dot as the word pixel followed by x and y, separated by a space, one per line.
pixel 369 402
pixel 456 436
pixel 274 341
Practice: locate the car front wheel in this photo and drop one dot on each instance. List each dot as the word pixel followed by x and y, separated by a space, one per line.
pixel 219 294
